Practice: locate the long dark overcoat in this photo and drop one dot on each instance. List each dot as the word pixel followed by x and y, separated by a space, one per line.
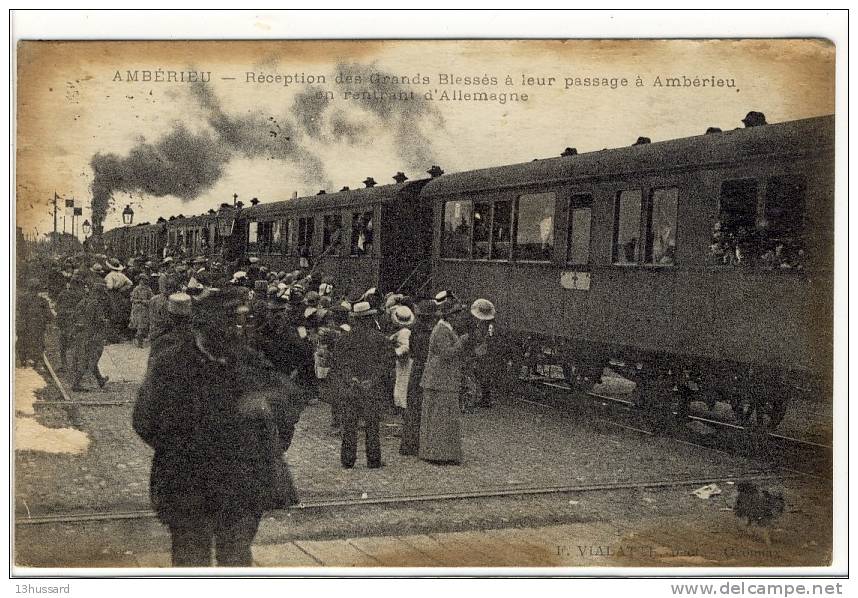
pixel 214 437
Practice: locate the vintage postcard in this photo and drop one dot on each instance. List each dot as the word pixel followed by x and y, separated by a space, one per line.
pixel 556 304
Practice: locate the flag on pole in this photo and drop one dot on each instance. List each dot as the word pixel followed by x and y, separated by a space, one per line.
pixel 70 207
pixel 78 211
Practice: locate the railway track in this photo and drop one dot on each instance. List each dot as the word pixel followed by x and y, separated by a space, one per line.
pixel 78 517
pixel 622 414
pixel 796 455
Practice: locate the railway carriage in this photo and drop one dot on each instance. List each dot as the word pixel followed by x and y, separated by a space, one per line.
pixel 374 236
pixel 696 265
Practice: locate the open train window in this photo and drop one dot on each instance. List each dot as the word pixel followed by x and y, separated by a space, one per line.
pixel 738 204
pixel 534 229
pixel 482 230
pixel 285 232
pixel 456 232
pixel 501 227
pixel 252 237
pixel 332 233
pixel 305 236
pixel 627 223
pixel 265 236
pixel 578 237
pixel 661 227
pixel 362 233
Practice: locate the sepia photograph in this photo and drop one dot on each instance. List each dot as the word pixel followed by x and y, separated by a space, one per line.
pixel 408 306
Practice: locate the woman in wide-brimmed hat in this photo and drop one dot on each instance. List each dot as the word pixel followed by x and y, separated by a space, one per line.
pixel 403 318
pixel 441 416
pixel 418 348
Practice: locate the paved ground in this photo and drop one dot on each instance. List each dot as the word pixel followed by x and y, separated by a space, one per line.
pixel 509 446
pixel 512 446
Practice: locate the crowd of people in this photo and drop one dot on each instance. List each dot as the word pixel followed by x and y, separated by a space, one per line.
pixel 236 354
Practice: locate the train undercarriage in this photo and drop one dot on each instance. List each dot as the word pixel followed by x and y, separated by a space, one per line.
pixel 668 387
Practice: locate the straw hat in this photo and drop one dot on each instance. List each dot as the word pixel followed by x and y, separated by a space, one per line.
pixel 403 316
pixel 483 309
pixel 362 309
pixel 115 264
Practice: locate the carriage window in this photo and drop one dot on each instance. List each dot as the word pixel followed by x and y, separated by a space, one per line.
pixel 362 231
pixel 785 206
pixel 265 234
pixel 456 235
pixel 578 239
pixel 501 226
pixel 534 235
pixel 331 233
pixel 482 230
pixel 276 239
pixel 285 233
pixel 739 204
pixel 252 235
pixel 627 223
pixel 305 235
pixel 661 227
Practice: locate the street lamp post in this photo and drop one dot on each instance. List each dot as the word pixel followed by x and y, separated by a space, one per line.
pixel 127 215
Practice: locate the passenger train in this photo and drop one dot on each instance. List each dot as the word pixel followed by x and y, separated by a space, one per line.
pixel 696 267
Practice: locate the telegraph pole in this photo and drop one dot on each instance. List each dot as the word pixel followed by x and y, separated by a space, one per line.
pixel 55 212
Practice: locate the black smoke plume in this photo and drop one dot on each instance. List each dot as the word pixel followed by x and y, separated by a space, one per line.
pixel 181 163
pixel 185 164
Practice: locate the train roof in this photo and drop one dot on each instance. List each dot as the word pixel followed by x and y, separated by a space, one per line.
pixel 333 201
pixel 798 136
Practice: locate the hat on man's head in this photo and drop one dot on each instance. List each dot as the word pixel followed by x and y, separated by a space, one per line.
pixel 253 260
pixel 199 260
pixel 403 316
pixel 142 277
pixel 179 304
pixel 97 268
pixel 362 309
pixel 168 260
pixel 483 309
pixel 443 296
pixel 115 264
pixel 238 276
pixel 221 303
pixel 754 119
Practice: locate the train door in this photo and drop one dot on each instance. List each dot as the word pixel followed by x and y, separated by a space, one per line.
pixel 406 246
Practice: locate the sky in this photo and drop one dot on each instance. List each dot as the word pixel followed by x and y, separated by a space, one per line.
pixel 167 146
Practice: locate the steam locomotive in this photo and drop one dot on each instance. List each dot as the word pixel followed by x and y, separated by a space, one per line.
pixel 698 267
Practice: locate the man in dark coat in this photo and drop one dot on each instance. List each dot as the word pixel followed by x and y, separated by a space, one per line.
pixel 360 358
pixel 215 466
pixel 90 325
pixel 66 304
pixel 33 316
pixel 291 354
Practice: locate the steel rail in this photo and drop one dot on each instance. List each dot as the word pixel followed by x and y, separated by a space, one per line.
pixel 418 498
